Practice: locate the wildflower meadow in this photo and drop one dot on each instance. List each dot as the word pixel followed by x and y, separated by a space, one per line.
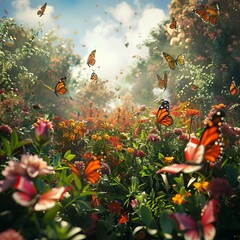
pixel 146 150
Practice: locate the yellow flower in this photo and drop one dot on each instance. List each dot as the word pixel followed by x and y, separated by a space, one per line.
pixel 130 150
pixel 66 135
pixel 119 147
pixel 99 138
pixel 106 136
pixel 201 186
pixel 94 137
pixel 72 137
pixel 81 124
pixel 168 159
pixel 78 127
pixel 62 124
pixel 179 199
pixel 71 121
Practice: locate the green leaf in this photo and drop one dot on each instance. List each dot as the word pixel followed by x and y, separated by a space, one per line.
pixel 14 140
pixel 166 222
pixel 6 147
pixel 146 215
pixel 68 156
pixel 22 143
pixel 51 214
pixel 77 181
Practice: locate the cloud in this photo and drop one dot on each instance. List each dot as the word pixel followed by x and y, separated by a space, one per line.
pixel 109 37
pixel 25 14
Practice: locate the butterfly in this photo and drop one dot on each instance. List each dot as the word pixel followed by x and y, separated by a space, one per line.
pixel 173 24
pixel 207 14
pixel 203 229
pixel 94 77
pixel 91 58
pixel 41 11
pixel 126 44
pixel 233 88
pixel 91 171
pixel 163 114
pixel 209 148
pixel 174 62
pixel 27 195
pixel 162 82
pixel 60 87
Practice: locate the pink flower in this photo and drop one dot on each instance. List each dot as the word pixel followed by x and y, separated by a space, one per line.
pixel 10 234
pixel 5 131
pixel 134 203
pixel 153 138
pixel 27 192
pixel 42 131
pixel 30 166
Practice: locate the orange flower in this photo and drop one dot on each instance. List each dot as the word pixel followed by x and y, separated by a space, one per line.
pixel 168 159
pixel 99 138
pixel 201 186
pixel 119 147
pixel 192 112
pixel 106 136
pixel 179 199
pixel 66 135
pixel 72 137
pixel 94 137
pixel 123 219
pixel 130 150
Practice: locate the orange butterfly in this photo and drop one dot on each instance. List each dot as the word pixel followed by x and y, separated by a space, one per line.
pixel 163 114
pixel 233 88
pixel 162 82
pixel 91 58
pixel 94 77
pixel 59 88
pixel 91 171
pixel 41 11
pixel 173 24
pixel 207 14
pixel 209 148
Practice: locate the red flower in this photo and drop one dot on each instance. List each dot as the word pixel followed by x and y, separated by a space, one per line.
pixel 123 219
pixel 115 207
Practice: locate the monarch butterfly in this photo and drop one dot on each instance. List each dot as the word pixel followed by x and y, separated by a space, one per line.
pixel 207 14
pixel 91 171
pixel 173 24
pixel 233 88
pixel 210 147
pixel 94 77
pixel 41 11
pixel 27 195
pixel 91 58
pixel 163 116
pixel 162 82
pixel 173 62
pixel 202 229
pixel 59 88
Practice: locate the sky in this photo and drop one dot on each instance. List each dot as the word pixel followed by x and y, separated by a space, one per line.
pixel 115 28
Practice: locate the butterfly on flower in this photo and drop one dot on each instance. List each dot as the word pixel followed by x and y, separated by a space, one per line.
pixel 91 171
pixel 173 24
pixel 94 77
pixel 207 14
pixel 27 195
pixel 91 58
pixel 163 114
pixel 41 11
pixel 172 62
pixel 209 148
pixel 233 88
pixel 162 82
pixel 202 229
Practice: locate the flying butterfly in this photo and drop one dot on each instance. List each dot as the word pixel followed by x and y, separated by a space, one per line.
pixel 162 82
pixel 163 114
pixel 60 87
pixel 174 62
pixel 233 88
pixel 94 77
pixel 91 171
pixel 209 148
pixel 207 14
pixel 173 24
pixel 41 11
pixel 91 58
pixel 202 229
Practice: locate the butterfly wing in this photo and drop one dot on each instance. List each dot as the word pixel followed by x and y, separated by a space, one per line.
pixel 180 59
pixel 162 82
pixel 212 19
pixel 173 24
pixel 233 88
pixel 91 58
pixel 60 87
pixel 163 116
pixel 170 60
pixel 91 171
pixel 208 217
pixel 27 191
pixel 94 77
pixel 42 10
pixel 73 168
pixel 203 14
